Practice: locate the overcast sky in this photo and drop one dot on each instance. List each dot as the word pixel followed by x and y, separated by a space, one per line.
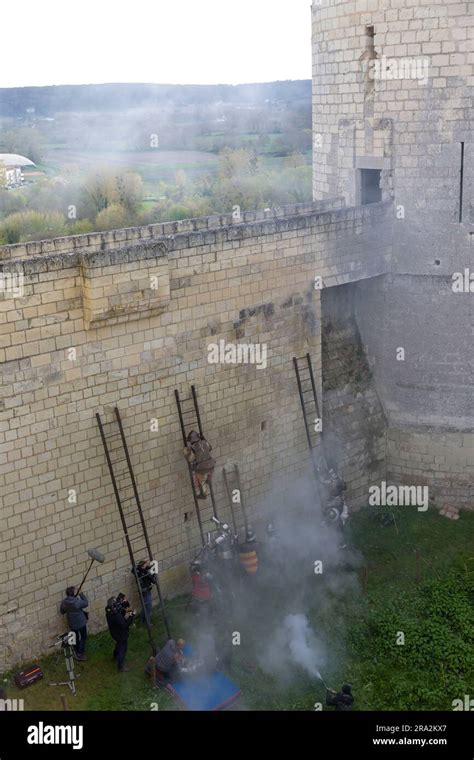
pixel 47 42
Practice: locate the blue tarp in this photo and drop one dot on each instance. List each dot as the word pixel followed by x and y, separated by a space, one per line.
pixel 212 691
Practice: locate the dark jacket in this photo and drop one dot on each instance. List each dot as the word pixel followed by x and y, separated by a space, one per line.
pixel 342 702
pixel 118 625
pixel 146 579
pixel 199 456
pixel 166 657
pixel 72 607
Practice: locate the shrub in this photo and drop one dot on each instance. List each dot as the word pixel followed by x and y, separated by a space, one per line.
pixel 32 225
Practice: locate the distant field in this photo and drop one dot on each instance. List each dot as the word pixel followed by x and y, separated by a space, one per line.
pixel 151 162
pixel 152 165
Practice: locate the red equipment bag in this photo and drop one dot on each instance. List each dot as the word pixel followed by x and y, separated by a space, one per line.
pixel 27 677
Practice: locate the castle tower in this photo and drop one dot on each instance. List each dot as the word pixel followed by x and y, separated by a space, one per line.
pixel 393 87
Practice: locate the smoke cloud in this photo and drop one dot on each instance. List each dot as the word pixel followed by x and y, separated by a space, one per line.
pixel 283 613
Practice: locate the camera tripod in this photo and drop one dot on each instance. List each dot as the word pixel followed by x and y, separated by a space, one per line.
pixel 69 653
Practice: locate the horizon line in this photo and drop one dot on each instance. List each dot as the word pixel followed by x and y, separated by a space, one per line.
pixel 151 84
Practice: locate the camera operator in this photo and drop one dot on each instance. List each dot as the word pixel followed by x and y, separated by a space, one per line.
pixel 146 579
pixel 73 606
pixel 119 619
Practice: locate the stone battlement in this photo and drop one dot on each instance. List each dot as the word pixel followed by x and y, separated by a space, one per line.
pixel 104 241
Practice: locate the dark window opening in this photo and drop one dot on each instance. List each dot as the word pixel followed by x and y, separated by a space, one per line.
pixel 461 182
pixel 367 60
pixel 370 191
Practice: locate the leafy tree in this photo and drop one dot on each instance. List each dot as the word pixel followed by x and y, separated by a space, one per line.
pixel 234 163
pixel 80 227
pixel 26 141
pixel 181 181
pixel 113 217
pixel 98 191
pixel 106 187
pixel 127 191
pixel 32 225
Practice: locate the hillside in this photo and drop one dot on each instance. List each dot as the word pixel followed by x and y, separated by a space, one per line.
pixel 115 97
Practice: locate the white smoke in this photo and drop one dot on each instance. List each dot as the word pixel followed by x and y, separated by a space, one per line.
pixel 305 650
pixel 293 644
pixel 302 540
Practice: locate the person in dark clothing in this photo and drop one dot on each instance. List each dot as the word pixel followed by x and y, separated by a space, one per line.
pixel 73 606
pixel 198 455
pixel 334 487
pixel 342 700
pixel 147 580
pixel 168 659
pixel 119 619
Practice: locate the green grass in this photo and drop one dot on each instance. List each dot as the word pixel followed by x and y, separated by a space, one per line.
pixel 419 579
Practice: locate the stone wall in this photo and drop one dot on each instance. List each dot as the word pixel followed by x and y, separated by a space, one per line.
pixel 113 239
pixel 427 396
pixel 354 421
pixel 413 127
pixel 409 125
pixel 125 327
pixel 123 318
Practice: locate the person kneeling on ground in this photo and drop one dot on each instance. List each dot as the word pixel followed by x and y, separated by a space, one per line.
pixel 119 619
pixel 168 660
pixel 198 455
pixel 342 700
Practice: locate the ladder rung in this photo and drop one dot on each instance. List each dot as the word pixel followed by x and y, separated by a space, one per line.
pixel 139 535
pixel 123 482
pixel 138 549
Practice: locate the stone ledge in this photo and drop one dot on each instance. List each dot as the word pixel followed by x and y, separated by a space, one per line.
pixel 101 241
pixel 160 246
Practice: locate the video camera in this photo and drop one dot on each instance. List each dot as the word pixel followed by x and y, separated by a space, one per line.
pixel 120 604
pixel 64 640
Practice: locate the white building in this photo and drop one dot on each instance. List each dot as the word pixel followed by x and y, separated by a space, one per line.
pixel 11 174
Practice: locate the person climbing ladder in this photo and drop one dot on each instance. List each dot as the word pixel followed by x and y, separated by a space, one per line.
pixel 198 455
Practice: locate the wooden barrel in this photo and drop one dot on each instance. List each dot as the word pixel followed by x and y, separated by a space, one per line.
pixel 248 559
